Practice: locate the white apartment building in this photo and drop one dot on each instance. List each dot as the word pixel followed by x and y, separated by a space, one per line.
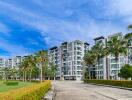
pixel 100 67
pixel 11 62
pixel 108 67
pixel 2 65
pixel 68 57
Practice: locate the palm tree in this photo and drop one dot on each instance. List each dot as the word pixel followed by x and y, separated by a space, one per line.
pixel 24 68
pixel 117 46
pixel 100 52
pixel 53 69
pixel 98 49
pixel 89 60
pixel 41 59
pixel 130 27
pixel 13 72
pixel 31 65
pixel 128 38
pixel 6 73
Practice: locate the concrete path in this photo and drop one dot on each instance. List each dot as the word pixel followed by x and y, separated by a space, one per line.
pixel 74 90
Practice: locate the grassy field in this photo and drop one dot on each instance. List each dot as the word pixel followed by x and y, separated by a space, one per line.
pixel 4 87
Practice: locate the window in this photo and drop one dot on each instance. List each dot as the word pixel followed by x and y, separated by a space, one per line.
pixel 79 72
pixel 113 61
pixel 78 67
pixel 114 66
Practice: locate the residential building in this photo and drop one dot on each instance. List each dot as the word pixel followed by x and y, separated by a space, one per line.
pixel 11 62
pixel 68 57
pixel 2 65
pixel 17 61
pixel 115 66
pixel 130 52
pixel 108 67
pixel 100 67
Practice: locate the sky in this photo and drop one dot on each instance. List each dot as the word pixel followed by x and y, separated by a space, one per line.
pixel 27 26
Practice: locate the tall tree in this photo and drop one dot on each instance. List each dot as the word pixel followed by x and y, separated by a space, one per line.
pixel 31 65
pixel 41 59
pixel 130 27
pixel 24 68
pixel 89 60
pixel 117 46
pixel 128 38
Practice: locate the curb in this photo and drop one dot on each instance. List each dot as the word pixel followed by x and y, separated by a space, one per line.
pixel 50 95
pixel 130 89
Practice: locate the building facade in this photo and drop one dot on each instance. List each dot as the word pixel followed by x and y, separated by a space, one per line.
pixel 68 58
pixel 108 67
pixel 2 66
pixel 11 62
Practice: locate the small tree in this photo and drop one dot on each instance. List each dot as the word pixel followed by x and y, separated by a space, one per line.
pixel 126 71
pixel 86 73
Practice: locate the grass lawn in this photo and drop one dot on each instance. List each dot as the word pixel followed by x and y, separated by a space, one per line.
pixel 4 87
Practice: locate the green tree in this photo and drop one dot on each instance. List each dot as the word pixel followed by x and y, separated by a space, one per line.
pixel 13 73
pixel 126 71
pixel 98 49
pixel 53 68
pixel 117 46
pixel 41 60
pixel 86 73
pixel 130 27
pixel 89 60
pixel 31 65
pixel 23 68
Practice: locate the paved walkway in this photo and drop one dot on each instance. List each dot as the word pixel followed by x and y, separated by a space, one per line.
pixel 73 90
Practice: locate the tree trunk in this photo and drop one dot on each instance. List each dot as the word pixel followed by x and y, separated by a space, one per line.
pixel 41 74
pixel 107 68
pixel 117 60
pixel 54 78
pixel 89 71
pixel 23 76
pixel 30 75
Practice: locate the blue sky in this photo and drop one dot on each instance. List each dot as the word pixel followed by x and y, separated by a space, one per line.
pixel 30 25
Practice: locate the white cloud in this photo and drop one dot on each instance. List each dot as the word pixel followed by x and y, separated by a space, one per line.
pixel 4 29
pixel 121 9
pixel 56 30
pixel 13 49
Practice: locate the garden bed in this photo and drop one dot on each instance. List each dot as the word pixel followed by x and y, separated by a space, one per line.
pixel 33 92
pixel 123 83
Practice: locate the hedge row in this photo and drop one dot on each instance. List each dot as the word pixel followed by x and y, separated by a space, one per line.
pixel 34 92
pixel 11 83
pixel 127 84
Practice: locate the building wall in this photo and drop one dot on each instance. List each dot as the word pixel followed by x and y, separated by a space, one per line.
pixel 12 62
pixel 69 59
pixel 108 67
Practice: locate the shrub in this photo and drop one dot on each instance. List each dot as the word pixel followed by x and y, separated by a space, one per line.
pixel 11 83
pixel 34 92
pixel 124 83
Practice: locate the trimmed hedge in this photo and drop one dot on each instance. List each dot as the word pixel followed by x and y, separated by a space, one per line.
pixel 34 92
pixel 11 83
pixel 121 83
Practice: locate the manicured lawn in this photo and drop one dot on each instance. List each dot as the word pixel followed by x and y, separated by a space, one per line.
pixel 4 87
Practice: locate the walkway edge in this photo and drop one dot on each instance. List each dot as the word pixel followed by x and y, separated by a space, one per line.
pixel 50 95
pixel 130 89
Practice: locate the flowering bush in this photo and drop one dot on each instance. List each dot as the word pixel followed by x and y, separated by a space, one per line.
pixel 34 92
pixel 122 83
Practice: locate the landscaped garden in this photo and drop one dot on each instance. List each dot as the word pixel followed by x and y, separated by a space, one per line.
pixel 23 90
pixel 119 83
pixel 6 87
